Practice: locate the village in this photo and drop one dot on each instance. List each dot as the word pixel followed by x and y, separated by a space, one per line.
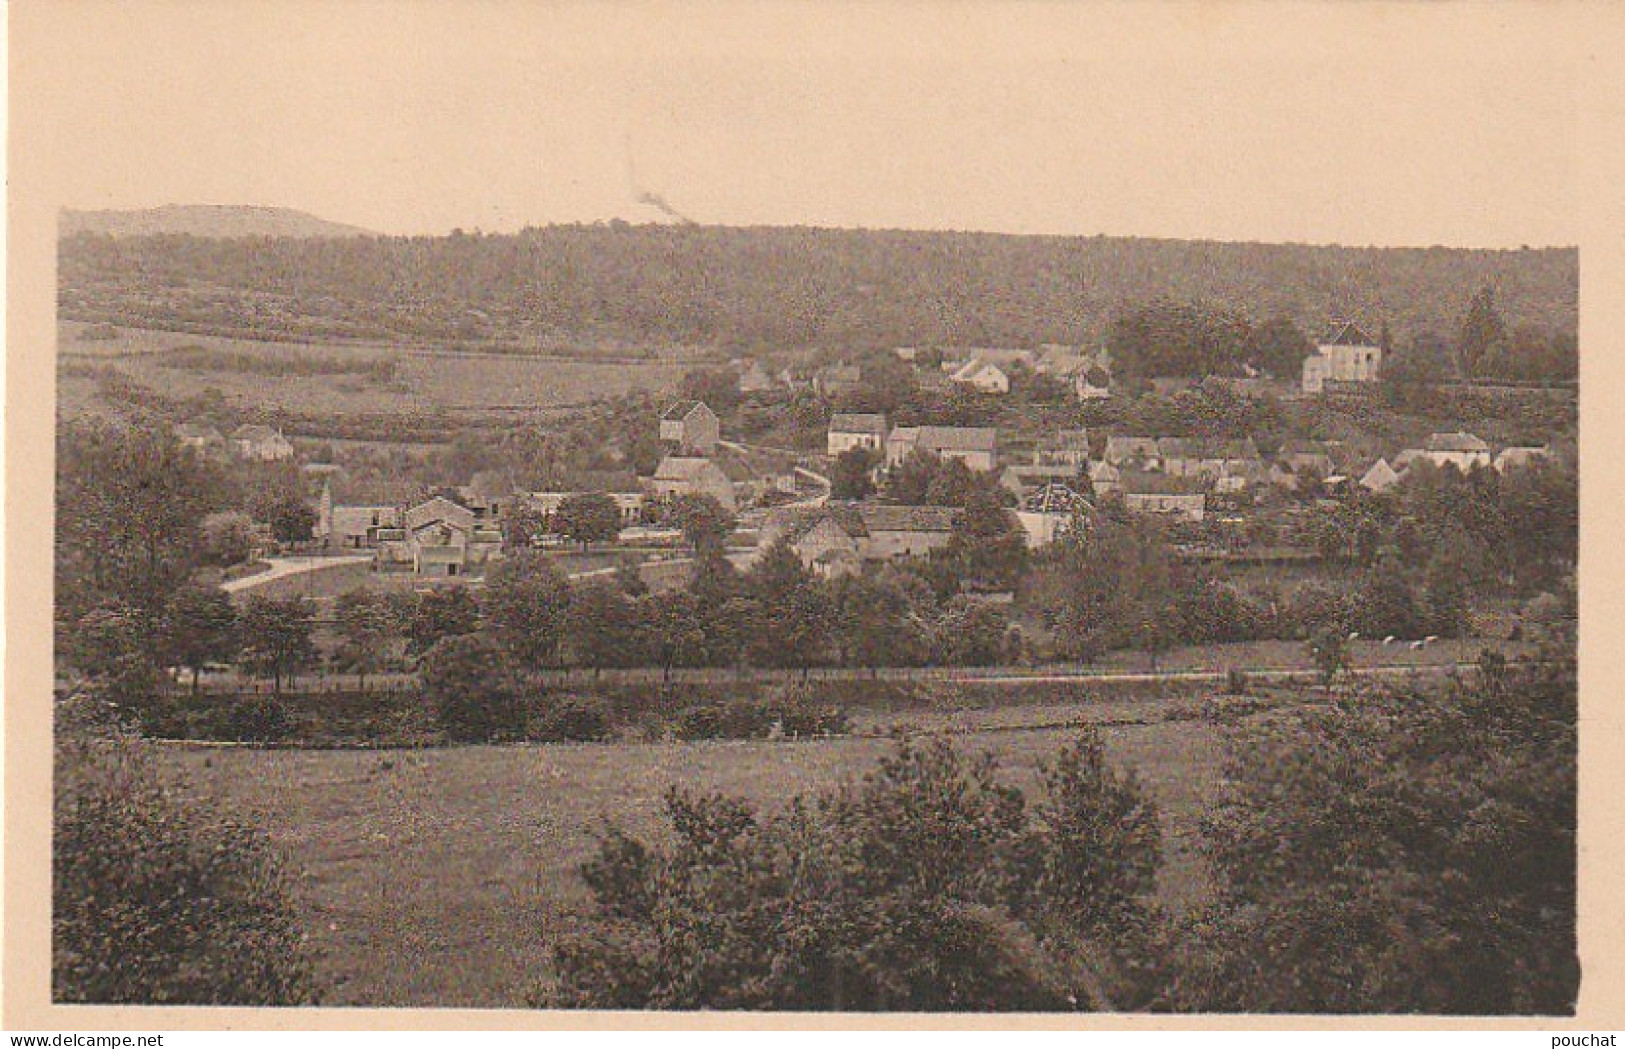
pixel 1220 496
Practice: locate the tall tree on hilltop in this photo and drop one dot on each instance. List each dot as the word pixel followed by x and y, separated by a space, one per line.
pixel 1482 332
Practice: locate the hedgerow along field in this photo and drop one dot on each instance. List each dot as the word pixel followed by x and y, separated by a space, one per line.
pixel 184 365
pixel 442 877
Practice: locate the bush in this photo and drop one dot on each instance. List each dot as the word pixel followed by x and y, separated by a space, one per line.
pixel 929 886
pixel 572 719
pixel 799 715
pixel 473 691
pixel 158 897
pixel 735 719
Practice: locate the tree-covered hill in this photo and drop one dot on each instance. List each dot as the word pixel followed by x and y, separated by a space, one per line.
pixel 777 288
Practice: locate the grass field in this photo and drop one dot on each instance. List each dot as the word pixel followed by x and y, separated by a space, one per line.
pixel 442 877
pixel 424 381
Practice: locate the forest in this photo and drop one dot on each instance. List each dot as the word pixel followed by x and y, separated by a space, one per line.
pixel 617 285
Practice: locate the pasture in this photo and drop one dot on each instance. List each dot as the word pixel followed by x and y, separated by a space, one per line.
pixel 422 381
pixel 442 877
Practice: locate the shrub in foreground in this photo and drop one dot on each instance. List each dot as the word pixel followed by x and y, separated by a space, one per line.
pixel 159 898
pixel 929 885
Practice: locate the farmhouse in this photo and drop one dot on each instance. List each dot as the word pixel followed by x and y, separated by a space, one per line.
pixel 1346 356
pixel 1154 493
pixel 260 444
pixel 1060 362
pixel 1139 452
pixel 1460 450
pixel 690 428
pixel 1104 478
pixel 624 488
pixel 200 437
pixel 1379 477
pixel 838 537
pixel 1048 512
pixel 1022 481
pixel 1062 448
pixel 832 380
pixel 755 379
pixel 1307 456
pixel 982 376
pixel 1520 456
pixel 975 446
pixel 1234 462
pixel 439 538
pixel 692 475
pixel 848 430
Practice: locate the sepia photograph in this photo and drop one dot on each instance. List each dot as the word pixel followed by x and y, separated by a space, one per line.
pixel 925 509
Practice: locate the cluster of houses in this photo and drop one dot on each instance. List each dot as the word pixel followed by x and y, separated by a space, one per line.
pixel 457 532
pixel 249 442
pixel 1345 360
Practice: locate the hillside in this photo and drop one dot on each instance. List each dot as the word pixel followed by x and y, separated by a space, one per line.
pixel 203 220
pixel 775 288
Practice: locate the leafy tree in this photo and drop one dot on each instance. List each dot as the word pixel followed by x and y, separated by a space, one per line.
pixel 588 518
pixel 1329 649
pixel 369 631
pixel 873 622
pixel 1482 332
pixel 1407 849
pixel 522 528
pixel 987 543
pixel 129 501
pixel 602 629
pixel 717 387
pixel 1280 346
pixel 970 633
pixel 705 523
pixel 1116 584
pixel 437 613
pixel 292 520
pixel 849 474
pixel 199 628
pixel 928 886
pixel 227 538
pixel 157 896
pixel 525 605
pixel 112 647
pixel 1178 339
pixel 277 636
pixel 472 686
pixel 673 633
pixel 908 482
pixel 793 622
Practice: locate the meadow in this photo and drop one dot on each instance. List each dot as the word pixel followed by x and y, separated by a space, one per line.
pixel 442 877
pixel 345 378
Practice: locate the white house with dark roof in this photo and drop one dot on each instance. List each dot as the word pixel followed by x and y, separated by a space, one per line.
pixel 1347 355
pixel 848 430
pixel 690 426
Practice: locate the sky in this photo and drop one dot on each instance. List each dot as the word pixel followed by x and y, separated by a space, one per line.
pixel 1398 124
